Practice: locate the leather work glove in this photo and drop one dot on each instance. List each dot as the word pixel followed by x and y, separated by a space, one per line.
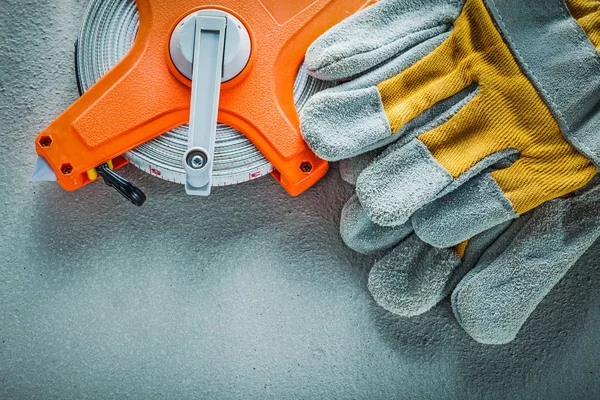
pixel 500 276
pixel 460 87
pixel 483 110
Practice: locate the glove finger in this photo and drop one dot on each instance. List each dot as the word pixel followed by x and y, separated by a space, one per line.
pixel 377 34
pixel 338 125
pixel 400 182
pixel 350 168
pixel 471 209
pixel 349 120
pixel 495 299
pixel 413 277
pixel 365 237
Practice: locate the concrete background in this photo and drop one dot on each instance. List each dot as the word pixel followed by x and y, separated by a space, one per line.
pixel 247 294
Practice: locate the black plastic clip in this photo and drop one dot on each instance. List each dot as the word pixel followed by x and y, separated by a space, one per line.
pixel 123 186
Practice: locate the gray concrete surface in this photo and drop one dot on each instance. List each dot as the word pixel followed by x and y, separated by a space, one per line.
pixel 248 294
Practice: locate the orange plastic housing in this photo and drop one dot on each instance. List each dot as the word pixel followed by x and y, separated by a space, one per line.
pixel 145 96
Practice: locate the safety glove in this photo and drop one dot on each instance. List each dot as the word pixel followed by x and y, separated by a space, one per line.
pixel 497 279
pixel 490 104
pixel 489 108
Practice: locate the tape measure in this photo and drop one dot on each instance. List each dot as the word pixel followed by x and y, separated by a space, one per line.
pixel 148 67
pixel 107 34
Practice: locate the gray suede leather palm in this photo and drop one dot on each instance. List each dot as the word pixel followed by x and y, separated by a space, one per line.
pixel 406 203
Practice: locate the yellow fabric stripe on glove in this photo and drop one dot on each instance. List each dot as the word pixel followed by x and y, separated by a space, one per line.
pixel 587 14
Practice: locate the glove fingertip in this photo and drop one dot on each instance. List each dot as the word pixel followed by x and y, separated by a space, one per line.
pixel 412 278
pixel 363 235
pixel 478 314
pixel 338 125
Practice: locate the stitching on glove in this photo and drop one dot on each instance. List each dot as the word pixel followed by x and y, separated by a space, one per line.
pixel 576 28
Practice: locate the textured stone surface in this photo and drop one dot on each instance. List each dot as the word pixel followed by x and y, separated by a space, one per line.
pixel 247 294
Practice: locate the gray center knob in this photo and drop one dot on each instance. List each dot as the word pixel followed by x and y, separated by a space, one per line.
pixel 237 45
